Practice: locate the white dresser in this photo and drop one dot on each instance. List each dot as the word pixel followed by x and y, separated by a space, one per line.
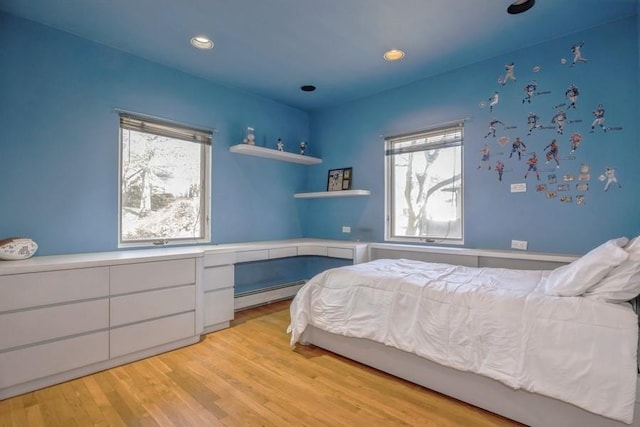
pixel 62 317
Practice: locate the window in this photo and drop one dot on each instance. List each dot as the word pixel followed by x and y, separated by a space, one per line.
pixel 424 186
pixel 164 182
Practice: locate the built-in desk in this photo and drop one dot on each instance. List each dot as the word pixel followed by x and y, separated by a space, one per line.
pixel 219 268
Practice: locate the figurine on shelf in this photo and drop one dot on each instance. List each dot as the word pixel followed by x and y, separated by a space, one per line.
pixel 280 145
pixel 250 138
pixel 303 147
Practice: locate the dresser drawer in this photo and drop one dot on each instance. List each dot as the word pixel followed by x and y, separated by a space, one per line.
pixel 39 361
pixel 31 326
pixel 218 306
pixel 218 277
pixel 152 275
pixel 152 304
pixel 141 336
pixel 18 291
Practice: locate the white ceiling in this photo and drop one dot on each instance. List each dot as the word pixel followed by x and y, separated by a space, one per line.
pixel 272 47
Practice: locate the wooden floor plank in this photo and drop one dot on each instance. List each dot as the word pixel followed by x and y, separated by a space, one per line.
pixel 246 375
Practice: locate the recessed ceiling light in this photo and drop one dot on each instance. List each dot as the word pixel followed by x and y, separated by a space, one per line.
pixel 393 55
pixel 307 88
pixel 201 42
pixel 520 6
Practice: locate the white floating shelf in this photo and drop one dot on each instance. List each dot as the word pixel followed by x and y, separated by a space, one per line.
pixel 254 150
pixel 343 193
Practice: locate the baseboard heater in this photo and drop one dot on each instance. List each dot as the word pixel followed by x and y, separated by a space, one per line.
pixel 267 295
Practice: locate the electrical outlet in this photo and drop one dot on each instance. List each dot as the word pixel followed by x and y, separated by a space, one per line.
pixel 346 229
pixel 519 244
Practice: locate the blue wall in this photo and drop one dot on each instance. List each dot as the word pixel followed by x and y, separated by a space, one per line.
pixel 59 142
pixel 351 136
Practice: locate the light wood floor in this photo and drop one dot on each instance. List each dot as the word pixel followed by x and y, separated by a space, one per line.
pixel 246 375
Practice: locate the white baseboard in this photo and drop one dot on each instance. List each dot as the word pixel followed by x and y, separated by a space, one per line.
pixel 254 299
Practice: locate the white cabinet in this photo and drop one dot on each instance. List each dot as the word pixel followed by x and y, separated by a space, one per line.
pixel 72 320
pixel 218 285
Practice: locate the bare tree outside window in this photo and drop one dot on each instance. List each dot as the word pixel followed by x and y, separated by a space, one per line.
pixel 164 192
pixel 424 186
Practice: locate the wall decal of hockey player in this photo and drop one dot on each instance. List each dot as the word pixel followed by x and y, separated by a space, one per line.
pixel 485 160
pixel 532 121
pixel 575 139
pixel 493 101
pixel 571 94
pixel 509 74
pixel 532 162
pixel 492 127
pixel 559 119
pixel 552 152
pixel 577 54
pixel 598 113
pixel 529 90
pixel 610 176
pixel 518 147
pixel 500 169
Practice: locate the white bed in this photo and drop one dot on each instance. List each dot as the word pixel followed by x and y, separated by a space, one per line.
pixel 491 337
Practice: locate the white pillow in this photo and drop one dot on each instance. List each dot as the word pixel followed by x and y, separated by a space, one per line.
pixel 574 279
pixel 623 282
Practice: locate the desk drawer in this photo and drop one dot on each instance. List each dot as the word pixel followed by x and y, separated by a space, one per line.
pixel 283 252
pixel 340 253
pixel 215 259
pixel 218 306
pixel 219 277
pixel 257 255
pixel 312 250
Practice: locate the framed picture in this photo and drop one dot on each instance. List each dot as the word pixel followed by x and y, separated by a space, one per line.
pixel 339 179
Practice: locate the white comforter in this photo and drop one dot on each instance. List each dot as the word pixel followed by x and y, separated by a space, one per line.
pixel 494 322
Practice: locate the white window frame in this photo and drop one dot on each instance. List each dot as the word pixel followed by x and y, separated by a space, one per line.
pixel 191 135
pixel 443 136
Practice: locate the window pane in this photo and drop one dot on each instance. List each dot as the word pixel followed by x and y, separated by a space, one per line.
pixel 161 194
pixel 425 191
